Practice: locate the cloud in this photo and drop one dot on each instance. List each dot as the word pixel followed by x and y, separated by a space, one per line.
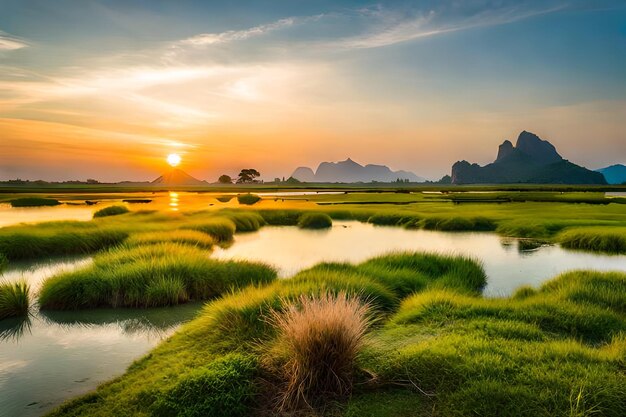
pixel 388 27
pixel 10 42
pixel 204 39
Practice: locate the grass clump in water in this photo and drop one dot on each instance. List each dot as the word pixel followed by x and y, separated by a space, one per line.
pixel 151 275
pixel 458 224
pixel 34 202
pixel 222 229
pixel 393 219
pixel 187 237
pixel 14 299
pixel 277 217
pixel 319 338
pixel 315 221
pixel 248 199
pixel 245 221
pixel 600 239
pixel 111 211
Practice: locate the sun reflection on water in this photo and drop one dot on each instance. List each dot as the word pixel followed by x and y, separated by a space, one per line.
pixel 173 201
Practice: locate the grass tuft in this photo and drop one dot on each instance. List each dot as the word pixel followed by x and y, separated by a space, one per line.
pixel 220 228
pixel 245 221
pixel 320 338
pixel 315 221
pixel 187 237
pixel 248 199
pixel 111 211
pixel 14 299
pixel 600 239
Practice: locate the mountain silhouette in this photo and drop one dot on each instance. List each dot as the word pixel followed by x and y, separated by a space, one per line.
pixel 614 174
pixel 532 160
pixel 349 171
pixel 177 177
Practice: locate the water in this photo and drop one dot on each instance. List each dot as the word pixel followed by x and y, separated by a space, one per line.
pixel 54 356
pixel 167 201
pixel 291 250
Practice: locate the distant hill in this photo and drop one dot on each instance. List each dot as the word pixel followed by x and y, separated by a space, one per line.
pixel 349 171
pixel 614 174
pixel 532 160
pixel 177 177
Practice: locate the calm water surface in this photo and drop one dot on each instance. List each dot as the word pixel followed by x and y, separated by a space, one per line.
pixel 54 356
pixel 291 250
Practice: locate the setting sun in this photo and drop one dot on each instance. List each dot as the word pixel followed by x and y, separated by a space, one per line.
pixel 173 159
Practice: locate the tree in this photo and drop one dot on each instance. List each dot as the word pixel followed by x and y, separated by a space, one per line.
pixel 248 176
pixel 225 179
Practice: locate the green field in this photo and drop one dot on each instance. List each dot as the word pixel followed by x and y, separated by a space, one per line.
pixel 405 334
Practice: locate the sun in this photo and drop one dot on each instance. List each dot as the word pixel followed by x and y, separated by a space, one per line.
pixel 173 159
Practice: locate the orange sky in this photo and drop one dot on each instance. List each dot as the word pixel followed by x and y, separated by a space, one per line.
pixel 406 88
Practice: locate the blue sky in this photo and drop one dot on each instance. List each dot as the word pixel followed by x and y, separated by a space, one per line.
pixel 414 85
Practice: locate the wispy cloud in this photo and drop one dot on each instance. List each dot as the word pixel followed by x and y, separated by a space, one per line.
pixel 236 35
pixel 10 43
pixel 389 27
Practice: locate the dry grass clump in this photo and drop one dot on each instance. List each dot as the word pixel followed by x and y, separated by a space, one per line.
pixel 319 338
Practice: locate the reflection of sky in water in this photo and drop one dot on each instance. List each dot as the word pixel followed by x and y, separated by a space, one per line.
pixel 54 356
pixel 291 249
pixel 172 201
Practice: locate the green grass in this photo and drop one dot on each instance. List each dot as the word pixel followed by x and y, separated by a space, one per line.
pixel 223 388
pixel 221 229
pixel 74 238
pixel 57 238
pixel 187 237
pixel 553 352
pixel 245 221
pixel 248 199
pixel 4 262
pixel 276 217
pixel 147 276
pixel 14 299
pixel 111 211
pixel 599 239
pixel 444 350
pixel 34 202
pixel 315 221
pixel 457 224
pixel 534 218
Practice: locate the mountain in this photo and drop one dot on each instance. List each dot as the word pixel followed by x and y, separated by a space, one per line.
pixel 614 174
pixel 177 177
pixel 349 171
pixel 532 160
pixel 304 174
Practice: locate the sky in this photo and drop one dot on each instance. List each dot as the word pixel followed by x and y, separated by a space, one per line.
pixel 107 89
